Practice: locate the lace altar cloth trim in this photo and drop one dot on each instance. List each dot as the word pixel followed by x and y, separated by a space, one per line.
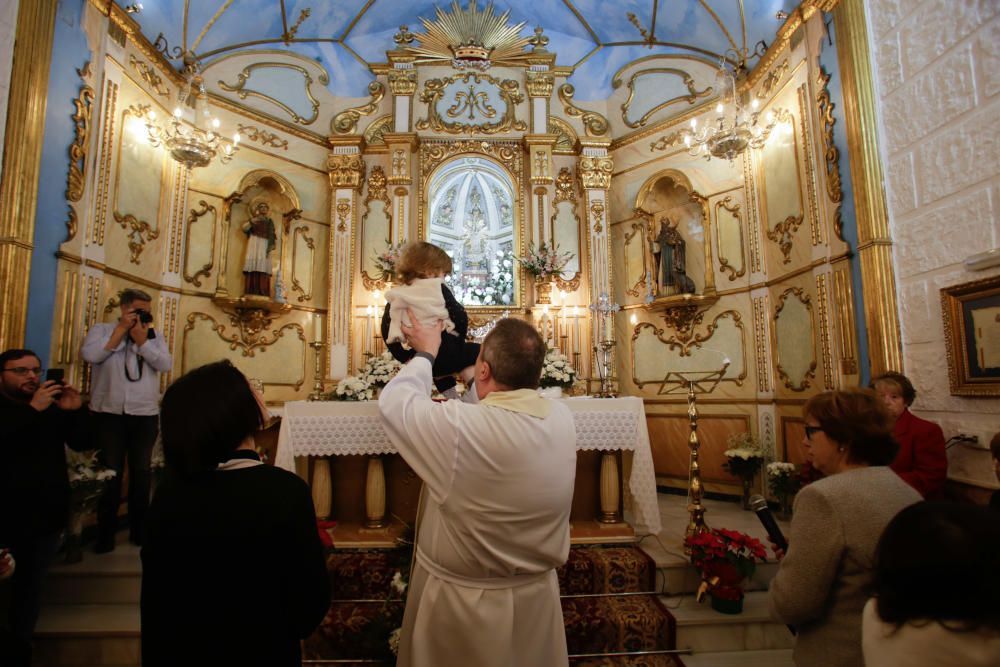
pixel 345 429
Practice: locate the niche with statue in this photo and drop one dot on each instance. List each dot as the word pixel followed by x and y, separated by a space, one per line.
pixel 671 239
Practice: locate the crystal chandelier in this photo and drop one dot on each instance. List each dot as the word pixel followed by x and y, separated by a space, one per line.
pixel 192 145
pixel 734 128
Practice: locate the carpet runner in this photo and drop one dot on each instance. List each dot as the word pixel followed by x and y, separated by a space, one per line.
pixel 609 606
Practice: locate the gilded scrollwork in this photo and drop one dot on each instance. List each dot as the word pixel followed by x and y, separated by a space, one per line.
pixel 773 77
pixel 310 243
pixel 149 75
pixel 810 372
pixel 594 123
pixel 206 269
pixel 346 171
pixel 565 136
pixel 377 192
pixel 375 132
pixel 343 210
pixel 432 154
pixel 239 87
pixel 346 122
pixel 597 214
pixel 684 320
pixel 830 151
pixel 692 96
pixel 666 141
pixel 251 329
pixel 595 172
pixel 734 209
pixel 139 233
pixel 84 104
pixel 262 137
pixel 783 234
pixel 72 223
pixel 472 100
pixel 824 329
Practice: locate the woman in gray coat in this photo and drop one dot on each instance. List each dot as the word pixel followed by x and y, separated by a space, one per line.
pixel 824 579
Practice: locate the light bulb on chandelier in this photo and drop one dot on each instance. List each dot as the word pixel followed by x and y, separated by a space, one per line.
pixel 197 144
pixel 734 128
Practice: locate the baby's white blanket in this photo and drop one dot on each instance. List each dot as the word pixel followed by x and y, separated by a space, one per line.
pixel 424 296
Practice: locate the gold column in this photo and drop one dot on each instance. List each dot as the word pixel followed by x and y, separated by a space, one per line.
pixel 22 156
pixel 878 280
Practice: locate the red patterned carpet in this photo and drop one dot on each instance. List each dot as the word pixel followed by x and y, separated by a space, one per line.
pixel 609 606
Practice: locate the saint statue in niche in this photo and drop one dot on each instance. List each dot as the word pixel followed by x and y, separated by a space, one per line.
pixel 669 254
pixel 261 239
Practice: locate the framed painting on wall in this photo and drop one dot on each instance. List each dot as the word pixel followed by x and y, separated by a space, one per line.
pixel 972 336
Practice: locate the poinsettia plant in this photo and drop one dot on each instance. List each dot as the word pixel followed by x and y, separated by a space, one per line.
pixel 737 549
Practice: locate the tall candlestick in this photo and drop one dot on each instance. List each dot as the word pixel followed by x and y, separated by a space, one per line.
pixel 317 328
pixel 577 340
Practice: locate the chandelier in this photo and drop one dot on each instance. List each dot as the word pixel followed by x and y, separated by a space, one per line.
pixel 197 144
pixel 734 128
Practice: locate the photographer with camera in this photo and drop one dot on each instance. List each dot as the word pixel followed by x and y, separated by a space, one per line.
pixel 126 358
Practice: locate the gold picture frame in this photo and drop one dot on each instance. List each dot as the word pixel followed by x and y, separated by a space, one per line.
pixel 971 313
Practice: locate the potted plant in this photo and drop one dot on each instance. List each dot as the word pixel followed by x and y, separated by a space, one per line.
pixel 744 458
pixel 542 263
pixel 87 480
pixel 784 482
pixel 379 369
pixel 724 558
pixel 387 259
pixel 557 374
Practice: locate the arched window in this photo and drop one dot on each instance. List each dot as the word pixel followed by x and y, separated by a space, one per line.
pixel 472 218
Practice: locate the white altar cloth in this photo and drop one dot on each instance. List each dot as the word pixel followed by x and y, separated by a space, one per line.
pixel 340 428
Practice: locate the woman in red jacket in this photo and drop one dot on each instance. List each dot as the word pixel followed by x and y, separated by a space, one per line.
pixel 922 461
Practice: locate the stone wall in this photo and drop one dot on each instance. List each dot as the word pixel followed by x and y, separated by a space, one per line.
pixel 937 75
pixel 8 26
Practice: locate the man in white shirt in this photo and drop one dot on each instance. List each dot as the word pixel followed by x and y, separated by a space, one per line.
pixel 126 359
pixel 498 472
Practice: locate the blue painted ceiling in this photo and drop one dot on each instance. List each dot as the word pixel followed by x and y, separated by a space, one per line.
pixel 595 37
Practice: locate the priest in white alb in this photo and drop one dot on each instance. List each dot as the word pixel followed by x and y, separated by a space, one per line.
pixel 498 471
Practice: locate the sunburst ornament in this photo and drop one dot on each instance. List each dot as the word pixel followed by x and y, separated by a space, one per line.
pixel 471 38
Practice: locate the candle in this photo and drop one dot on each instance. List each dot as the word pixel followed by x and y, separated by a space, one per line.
pixel 607 325
pixel 368 329
pixel 317 328
pixel 577 340
pixel 565 345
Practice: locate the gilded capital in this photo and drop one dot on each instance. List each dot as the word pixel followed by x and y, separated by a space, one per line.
pixel 346 171
pixel 540 84
pixel 595 172
pixel 403 81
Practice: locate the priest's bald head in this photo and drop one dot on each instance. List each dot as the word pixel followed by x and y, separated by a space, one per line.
pixel 511 358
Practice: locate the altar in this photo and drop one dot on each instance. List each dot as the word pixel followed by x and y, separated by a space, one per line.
pixel 615 496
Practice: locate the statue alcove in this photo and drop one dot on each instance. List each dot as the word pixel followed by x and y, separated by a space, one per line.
pixel 265 261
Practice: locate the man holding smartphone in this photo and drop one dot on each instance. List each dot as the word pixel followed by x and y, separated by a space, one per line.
pixel 36 419
pixel 126 360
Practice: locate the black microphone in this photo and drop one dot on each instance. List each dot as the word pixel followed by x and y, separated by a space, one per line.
pixel 763 512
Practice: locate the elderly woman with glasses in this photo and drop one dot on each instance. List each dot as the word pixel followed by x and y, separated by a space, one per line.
pixel 822 583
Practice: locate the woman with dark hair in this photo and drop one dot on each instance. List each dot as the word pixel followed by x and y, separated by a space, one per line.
pixel 936 589
pixel 922 460
pixel 233 570
pixel 822 582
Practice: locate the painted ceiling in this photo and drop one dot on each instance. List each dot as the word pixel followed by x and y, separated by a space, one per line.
pixel 594 37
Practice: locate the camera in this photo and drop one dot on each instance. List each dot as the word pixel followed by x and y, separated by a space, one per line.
pixel 144 315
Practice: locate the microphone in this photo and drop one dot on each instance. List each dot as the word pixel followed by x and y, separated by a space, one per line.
pixel 763 512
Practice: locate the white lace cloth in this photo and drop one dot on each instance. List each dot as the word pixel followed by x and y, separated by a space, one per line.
pixel 348 428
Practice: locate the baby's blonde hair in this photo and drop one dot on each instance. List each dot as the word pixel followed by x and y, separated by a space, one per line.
pixel 421 259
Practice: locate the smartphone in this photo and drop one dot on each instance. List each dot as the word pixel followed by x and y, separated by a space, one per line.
pixel 55 374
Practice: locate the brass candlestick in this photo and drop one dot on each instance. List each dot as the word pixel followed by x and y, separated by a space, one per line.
pixel 693 383
pixel 317 392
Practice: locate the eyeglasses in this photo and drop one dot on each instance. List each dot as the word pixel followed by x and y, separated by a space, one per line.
pixel 22 371
pixel 810 430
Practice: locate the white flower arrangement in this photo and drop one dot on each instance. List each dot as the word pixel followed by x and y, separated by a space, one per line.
pixel 353 389
pixel 394 640
pixel 379 370
pixel 744 456
pixel 398 583
pixel 781 469
pixel 557 370
pixel 783 479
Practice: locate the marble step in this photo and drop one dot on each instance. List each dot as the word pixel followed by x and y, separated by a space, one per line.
pixel 111 578
pixel 86 635
pixel 769 658
pixel 704 630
